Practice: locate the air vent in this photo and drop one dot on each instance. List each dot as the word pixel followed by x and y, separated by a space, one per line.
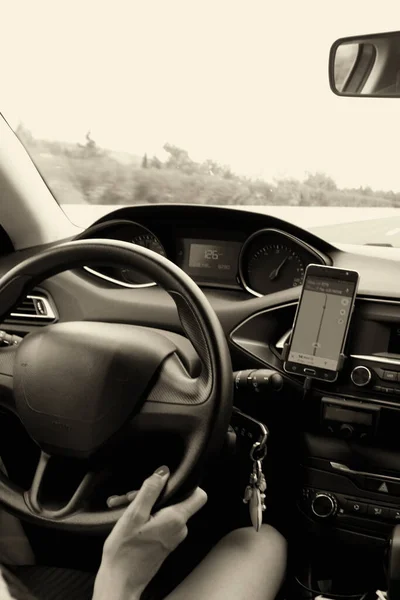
pixel 33 309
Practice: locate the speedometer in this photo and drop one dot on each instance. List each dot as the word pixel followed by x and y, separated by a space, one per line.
pixel 272 260
pixel 273 268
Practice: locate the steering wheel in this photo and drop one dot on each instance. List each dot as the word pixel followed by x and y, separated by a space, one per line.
pixel 76 385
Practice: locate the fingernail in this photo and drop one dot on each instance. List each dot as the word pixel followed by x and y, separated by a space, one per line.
pixel 162 471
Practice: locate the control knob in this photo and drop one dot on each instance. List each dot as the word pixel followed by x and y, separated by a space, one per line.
pixel 324 505
pixel 361 376
pixel 346 431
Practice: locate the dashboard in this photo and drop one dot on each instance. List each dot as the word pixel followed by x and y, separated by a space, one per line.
pixel 260 262
pixel 251 266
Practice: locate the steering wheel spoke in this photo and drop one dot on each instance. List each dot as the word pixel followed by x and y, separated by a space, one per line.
pixel 159 417
pixel 77 500
pixel 177 403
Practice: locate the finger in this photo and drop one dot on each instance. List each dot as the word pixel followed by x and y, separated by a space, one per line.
pixel 115 501
pixel 147 495
pixel 187 508
pixel 192 504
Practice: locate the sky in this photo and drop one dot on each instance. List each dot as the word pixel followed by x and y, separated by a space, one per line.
pixel 244 82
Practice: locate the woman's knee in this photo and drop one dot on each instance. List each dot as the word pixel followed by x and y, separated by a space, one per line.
pixel 267 540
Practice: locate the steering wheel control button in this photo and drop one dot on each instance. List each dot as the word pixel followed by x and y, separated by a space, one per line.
pixel 7 339
pixel 324 506
pixel 356 508
pixel 361 376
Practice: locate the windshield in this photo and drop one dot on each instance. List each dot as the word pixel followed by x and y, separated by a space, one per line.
pixel 211 102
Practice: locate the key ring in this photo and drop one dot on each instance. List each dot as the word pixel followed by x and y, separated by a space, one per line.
pixel 256 448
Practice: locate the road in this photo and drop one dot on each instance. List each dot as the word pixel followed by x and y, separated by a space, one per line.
pixel 374 231
pixel 335 224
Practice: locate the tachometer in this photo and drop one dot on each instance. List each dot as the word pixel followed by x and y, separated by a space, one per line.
pixel 273 268
pixel 147 240
pixel 126 231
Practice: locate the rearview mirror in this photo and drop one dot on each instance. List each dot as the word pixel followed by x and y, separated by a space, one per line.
pixel 367 65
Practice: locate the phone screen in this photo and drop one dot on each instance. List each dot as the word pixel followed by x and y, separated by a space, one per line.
pixel 321 324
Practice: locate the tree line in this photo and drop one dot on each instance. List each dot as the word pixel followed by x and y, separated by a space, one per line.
pixel 88 173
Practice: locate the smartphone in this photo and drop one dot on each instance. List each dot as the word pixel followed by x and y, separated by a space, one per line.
pixel 321 323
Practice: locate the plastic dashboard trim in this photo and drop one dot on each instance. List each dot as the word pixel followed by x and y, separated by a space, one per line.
pixel 253 316
pixel 294 303
pixel 117 282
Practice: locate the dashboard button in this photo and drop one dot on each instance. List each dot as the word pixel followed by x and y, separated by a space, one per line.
pixel 361 376
pixel 394 514
pixel 377 485
pixel 355 507
pixel 389 375
pixel 346 431
pixel 380 512
pixel 387 390
pixel 383 487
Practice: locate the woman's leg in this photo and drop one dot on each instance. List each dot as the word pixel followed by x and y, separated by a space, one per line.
pixel 244 565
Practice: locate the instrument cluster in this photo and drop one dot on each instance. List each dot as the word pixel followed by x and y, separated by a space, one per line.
pixel 267 261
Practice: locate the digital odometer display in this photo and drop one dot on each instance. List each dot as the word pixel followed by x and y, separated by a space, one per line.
pixel 211 260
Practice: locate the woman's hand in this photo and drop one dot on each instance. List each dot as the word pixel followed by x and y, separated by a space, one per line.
pixel 139 543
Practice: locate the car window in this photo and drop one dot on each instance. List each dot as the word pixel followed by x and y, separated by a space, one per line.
pixel 228 103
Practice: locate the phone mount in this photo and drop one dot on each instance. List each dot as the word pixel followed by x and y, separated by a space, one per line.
pixel 342 358
pixel 285 351
pixel 285 354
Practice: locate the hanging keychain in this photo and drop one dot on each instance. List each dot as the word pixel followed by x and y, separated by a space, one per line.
pixel 257 434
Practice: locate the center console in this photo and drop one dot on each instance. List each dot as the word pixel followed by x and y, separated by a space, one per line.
pixel 350 470
pixel 349 474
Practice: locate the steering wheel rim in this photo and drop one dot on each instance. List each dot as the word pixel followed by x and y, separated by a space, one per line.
pixel 206 404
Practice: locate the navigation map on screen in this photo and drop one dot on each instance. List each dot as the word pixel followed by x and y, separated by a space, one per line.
pixel 322 322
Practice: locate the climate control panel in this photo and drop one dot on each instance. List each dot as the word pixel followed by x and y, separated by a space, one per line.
pixel 325 505
pixel 377 374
